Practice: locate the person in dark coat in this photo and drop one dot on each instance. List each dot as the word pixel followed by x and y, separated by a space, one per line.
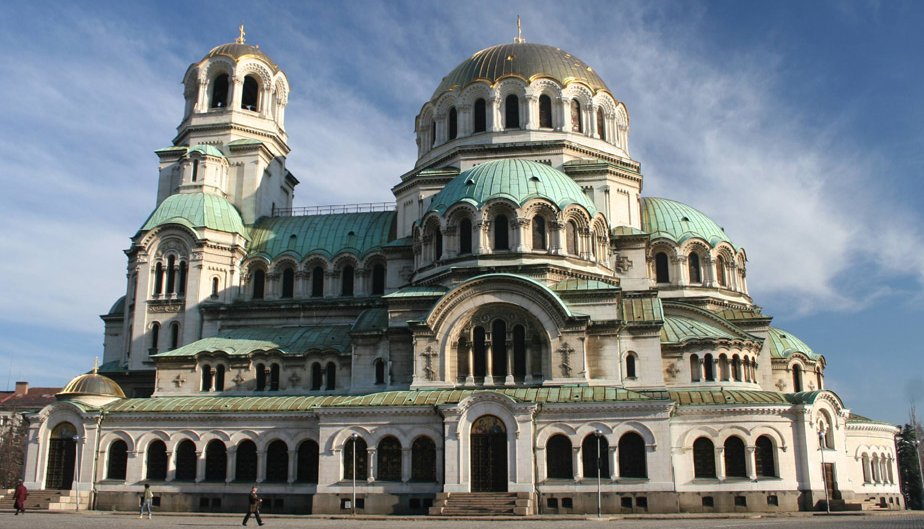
pixel 19 498
pixel 254 507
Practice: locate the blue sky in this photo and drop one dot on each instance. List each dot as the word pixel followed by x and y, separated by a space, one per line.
pixel 798 126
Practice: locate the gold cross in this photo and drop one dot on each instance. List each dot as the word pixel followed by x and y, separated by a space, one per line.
pixel 240 40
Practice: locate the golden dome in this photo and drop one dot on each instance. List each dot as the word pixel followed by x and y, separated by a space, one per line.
pixel 92 384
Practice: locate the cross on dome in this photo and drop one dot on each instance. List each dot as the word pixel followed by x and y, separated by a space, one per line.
pixel 240 39
pixel 519 38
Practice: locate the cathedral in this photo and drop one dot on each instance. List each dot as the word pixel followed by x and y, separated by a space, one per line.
pixel 520 332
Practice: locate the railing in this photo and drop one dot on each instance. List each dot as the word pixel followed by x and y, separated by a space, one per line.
pixel 367 207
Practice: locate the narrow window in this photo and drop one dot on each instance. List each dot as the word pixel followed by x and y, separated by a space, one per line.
pixel 186 461
pixel 818 379
pixel 317 282
pixel 695 370
pixel 764 457
pixel 261 377
pixel 216 461
pixel 259 282
pixel 277 462
pixel 632 462
pixel 480 351
pixel 723 367
pixel 158 279
pixel 499 347
pixel 437 237
pixel 379 371
pixel 378 280
pixel 174 335
pixel 288 283
pixel 220 377
pixel 346 281
pixel 453 123
pixel 181 287
pixel 630 365
pixel 220 92
pixel 519 352
pixel 423 460
pixel 734 458
pixel 720 270
pixel 662 271
pixel 695 273
pixel 206 377
pixel 214 287
pixel 512 112
pixel 601 124
pixel 155 337
pixel 797 378
pixel 709 368
pixel 355 447
pixel 331 376
pixel 156 464
pixel 274 377
pixel 703 458
pixel 576 125
pixel 465 237
pixel 591 447
pixel 246 462
pixel 307 466
pixel 389 459
pixel 316 376
pixel 171 274
pixel 545 112
pixel 432 133
pixel 501 233
pixel 481 121
pixel 539 233
pixel 118 460
pixel 250 93
pixel 558 461
pixel 195 170
pixel 572 238
pixel 736 368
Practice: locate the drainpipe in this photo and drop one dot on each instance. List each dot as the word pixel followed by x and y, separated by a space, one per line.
pixel 99 434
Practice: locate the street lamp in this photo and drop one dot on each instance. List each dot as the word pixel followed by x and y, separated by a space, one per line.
pixel 822 428
pixel 353 437
pixel 599 436
pixel 76 440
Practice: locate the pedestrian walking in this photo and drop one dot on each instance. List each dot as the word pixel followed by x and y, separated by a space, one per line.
pixel 19 498
pixel 254 506
pixel 147 499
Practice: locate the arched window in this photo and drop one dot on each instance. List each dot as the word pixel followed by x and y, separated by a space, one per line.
pixel 572 238
pixel 261 377
pixel 824 424
pixel 576 121
pixel 186 461
pixel 866 469
pixel 423 460
pixel 206 378
pixel 696 275
pixel 601 124
pixel 662 270
pixel 512 112
pixel 346 281
pixel 818 379
pixel 481 121
pixel 379 371
pixel 630 365
pixel 453 123
pixel 736 368
pixel 797 378
pixel 155 337
pixel 558 461
pixel 519 352
pixel 118 460
pixel 331 376
pixel 316 376
pixel 545 112
pixel 734 458
pixel 747 369
pixel 539 233
pixel 288 283
pixel 246 461
pixel 156 462
pixel 214 287
pixel 307 468
pixel 251 93
pixel 389 459
pixel 220 92
pixel 171 274
pixel 501 233
pixel 158 279
pixel 720 270
pixel 274 377
pixel 764 457
pixel 277 462
pixel 174 335
pixel 465 237
pixel 317 282
pixel 437 237
pixel 259 282
pixel 220 377
pixel 632 458
pixel 195 170
pixel 216 461
pixel 499 347
pixel 695 369
pixel 181 287
pixel 592 445
pixel 723 367
pixel 378 280
pixel 703 458
pixel 357 446
pixel 479 347
pixel 709 368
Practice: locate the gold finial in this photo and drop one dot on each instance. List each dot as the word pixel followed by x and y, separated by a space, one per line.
pixel 240 40
pixel 95 364
pixel 519 39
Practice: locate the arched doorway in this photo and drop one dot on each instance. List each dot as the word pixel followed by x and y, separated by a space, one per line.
pixel 489 455
pixel 62 453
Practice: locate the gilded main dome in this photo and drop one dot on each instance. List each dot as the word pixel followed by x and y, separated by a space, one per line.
pixel 522 60
pixel 92 385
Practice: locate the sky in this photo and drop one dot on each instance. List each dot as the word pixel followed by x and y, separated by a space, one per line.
pixel 797 126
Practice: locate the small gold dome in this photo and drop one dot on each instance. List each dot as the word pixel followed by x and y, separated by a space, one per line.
pixel 91 384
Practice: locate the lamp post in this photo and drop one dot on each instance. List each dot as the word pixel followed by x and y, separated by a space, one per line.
pixel 76 439
pixel 353 448
pixel 822 428
pixel 599 436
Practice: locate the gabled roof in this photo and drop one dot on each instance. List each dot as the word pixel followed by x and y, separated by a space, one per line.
pixel 197 210
pixel 287 340
pixel 329 235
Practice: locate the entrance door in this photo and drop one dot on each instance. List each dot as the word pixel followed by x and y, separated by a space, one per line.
pixel 489 455
pixel 62 452
pixel 828 469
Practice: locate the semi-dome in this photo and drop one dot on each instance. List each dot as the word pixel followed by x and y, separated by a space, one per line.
pixel 117 308
pixel 664 218
pixel 209 150
pixel 783 344
pixel 197 210
pixel 239 50
pixel 514 180
pixel 523 60
pixel 91 385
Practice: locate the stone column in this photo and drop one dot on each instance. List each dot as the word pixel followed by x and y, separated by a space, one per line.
pixel 464 120
pixel 720 462
pixel 237 92
pixel 508 381
pixel 293 465
pixel 494 122
pixel 477 237
pixel 372 464
pixel 200 466
pixel 171 466
pixel 555 230
pixel 331 288
pixel 614 462
pixel 261 464
pixel 528 353
pixel 576 463
pixel 489 360
pixel 405 464
pixel 520 224
pixel 531 102
pixel 470 352
pixel 450 242
pixel 750 462
pixel 231 466
pixel 202 100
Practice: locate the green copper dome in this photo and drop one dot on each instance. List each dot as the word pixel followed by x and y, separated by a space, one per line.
pixel 197 210
pixel 524 61
pixel 784 344
pixel 678 329
pixel 210 150
pixel 515 180
pixel 664 218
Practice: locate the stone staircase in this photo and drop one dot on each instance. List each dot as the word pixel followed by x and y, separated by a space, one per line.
pixel 482 504
pixel 47 500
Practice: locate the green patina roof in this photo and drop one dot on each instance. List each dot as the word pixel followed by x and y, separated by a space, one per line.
pixel 288 340
pixel 677 330
pixel 418 291
pixel 741 314
pixel 527 61
pixel 515 180
pixel 854 418
pixel 784 344
pixel 575 285
pixel 207 149
pixel 642 310
pixel 624 231
pixel 708 397
pixel 355 233
pixel 371 321
pixel 283 403
pixel 678 222
pixel 197 210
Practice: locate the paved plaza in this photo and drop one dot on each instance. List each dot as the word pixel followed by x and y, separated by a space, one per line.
pixel 44 520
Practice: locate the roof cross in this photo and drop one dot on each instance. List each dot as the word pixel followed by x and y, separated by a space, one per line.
pixel 240 39
pixel 519 38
